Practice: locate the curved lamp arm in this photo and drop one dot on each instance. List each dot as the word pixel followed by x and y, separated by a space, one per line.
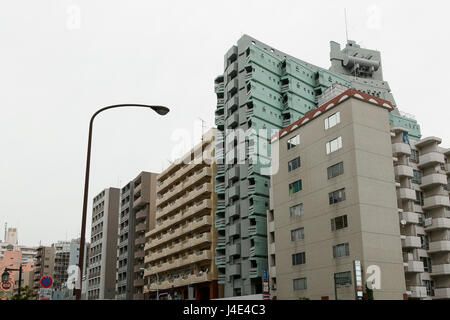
pixel 161 110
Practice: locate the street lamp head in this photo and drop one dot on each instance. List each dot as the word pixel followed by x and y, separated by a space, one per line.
pixel 160 110
pixel 5 277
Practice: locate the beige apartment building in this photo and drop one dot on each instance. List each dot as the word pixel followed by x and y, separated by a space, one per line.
pixel 333 222
pixel 421 170
pixel 44 265
pixel 180 250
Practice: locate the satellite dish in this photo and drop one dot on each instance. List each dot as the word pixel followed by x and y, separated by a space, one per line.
pixel 403 222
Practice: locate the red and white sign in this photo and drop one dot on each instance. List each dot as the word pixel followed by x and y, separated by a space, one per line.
pixel 6 286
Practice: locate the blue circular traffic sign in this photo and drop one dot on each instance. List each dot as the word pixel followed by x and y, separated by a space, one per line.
pixel 46 281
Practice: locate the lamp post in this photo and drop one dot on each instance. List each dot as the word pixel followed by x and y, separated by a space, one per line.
pixel 159 110
pixel 5 276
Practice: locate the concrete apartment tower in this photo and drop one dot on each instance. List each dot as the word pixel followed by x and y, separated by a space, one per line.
pixel 261 91
pixel 422 170
pixel 180 249
pixel 62 259
pixel 334 212
pixel 44 265
pixel 103 248
pixel 137 216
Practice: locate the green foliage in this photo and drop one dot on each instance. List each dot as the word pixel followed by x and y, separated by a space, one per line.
pixel 25 294
pixel 369 293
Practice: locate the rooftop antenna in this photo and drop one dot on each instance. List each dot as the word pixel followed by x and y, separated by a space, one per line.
pixel 203 126
pixel 346 26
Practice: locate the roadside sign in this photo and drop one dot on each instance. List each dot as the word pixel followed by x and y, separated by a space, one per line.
pixel 46 282
pixel 45 294
pixel 266 276
pixel 6 285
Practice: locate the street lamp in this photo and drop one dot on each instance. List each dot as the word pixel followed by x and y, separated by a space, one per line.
pixel 161 110
pixel 5 276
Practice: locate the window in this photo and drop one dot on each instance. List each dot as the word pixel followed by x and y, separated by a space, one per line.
pixel 417 178
pixel 335 170
pixel 426 264
pixel 298 234
pixel 295 187
pixel 294 164
pixel 298 258
pixel 334 145
pixel 296 211
pixel 424 242
pixel 429 284
pixel 293 142
pixel 332 120
pixel 339 223
pixel 414 157
pixel 343 279
pixel 300 284
pixel 341 250
pixel 336 196
pixel 419 198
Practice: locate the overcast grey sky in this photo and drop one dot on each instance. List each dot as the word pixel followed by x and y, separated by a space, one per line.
pixel 61 60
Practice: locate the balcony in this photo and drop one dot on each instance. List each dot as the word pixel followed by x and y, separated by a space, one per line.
pixel 140 241
pixel 219 87
pixel 141 227
pixel 138 282
pixel 437 223
pixel 138 296
pixel 233 121
pixel 234 210
pixel 222 279
pixel 417 291
pixel 141 215
pixel 139 254
pixel 273 271
pixel 440 270
pixel 435 202
pixel 430 159
pixel 407 194
pixel 411 242
pixel 234 269
pixel 233 173
pixel 235 229
pixel 220 223
pixel 272 248
pixel 403 171
pixel 432 180
pixel 401 148
pixel 439 246
pixel 253 273
pixel 221 242
pixel 234 192
pixel 220 261
pixel 234 249
pixel 414 266
pixel 410 217
pixel 442 293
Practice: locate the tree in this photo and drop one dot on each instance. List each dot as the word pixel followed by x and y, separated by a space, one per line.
pixel 25 294
pixel 369 293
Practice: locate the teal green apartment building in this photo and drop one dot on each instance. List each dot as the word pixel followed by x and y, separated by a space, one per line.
pixel 261 91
